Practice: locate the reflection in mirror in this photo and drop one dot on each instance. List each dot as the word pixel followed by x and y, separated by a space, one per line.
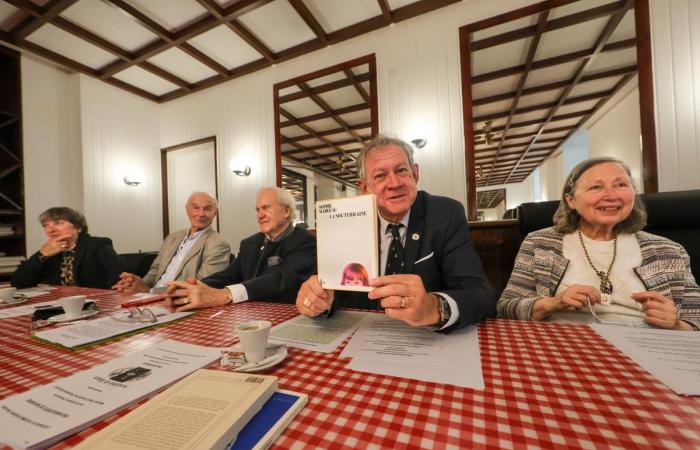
pixel 296 184
pixel 491 204
pixel 546 87
pixel 322 121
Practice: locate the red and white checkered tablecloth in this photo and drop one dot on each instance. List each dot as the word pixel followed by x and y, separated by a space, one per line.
pixel 547 386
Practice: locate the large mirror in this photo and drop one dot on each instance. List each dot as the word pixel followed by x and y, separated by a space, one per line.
pixel 322 120
pixel 547 86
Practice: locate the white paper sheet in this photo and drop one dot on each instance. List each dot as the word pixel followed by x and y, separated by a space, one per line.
pixel 47 414
pixel 386 346
pixel 671 356
pixel 319 335
pixel 95 330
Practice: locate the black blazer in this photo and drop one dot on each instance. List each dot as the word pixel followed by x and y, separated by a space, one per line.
pixel 274 274
pixel 439 249
pixel 96 265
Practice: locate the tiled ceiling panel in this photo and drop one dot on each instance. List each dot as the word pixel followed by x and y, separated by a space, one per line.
pixel 108 23
pixel 184 46
pixel 72 47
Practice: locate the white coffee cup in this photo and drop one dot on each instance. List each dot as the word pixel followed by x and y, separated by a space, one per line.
pixel 7 293
pixel 253 336
pixel 73 305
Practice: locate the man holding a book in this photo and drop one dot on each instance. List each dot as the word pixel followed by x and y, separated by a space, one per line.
pixel 431 273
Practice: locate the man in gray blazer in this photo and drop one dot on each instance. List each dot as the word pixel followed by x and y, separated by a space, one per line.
pixel 195 252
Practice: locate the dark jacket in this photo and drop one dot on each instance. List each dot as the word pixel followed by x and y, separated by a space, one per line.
pixel 273 274
pixel 96 265
pixel 439 249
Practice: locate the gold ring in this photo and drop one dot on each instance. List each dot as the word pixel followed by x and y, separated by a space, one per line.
pixel 307 302
pixel 403 302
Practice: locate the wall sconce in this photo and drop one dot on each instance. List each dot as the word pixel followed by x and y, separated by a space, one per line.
pixel 239 168
pixel 419 142
pixel 132 180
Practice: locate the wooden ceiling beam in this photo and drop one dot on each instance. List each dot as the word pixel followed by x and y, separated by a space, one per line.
pixel 541 106
pixel 320 156
pixel 310 20
pixel 554 24
pixel 598 47
pixel 532 50
pixel 528 123
pixel 386 11
pixel 333 85
pixel 360 90
pixel 244 33
pixel 325 115
pixel 359 126
pixel 554 61
pixel 48 12
pixel 556 85
pixel 326 107
pixel 346 182
pixel 322 146
pixel 310 130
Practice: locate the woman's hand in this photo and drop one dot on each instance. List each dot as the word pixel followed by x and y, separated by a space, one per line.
pixel 55 245
pixel 575 297
pixel 660 311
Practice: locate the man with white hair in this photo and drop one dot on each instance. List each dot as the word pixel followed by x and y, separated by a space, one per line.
pixel 195 252
pixel 271 264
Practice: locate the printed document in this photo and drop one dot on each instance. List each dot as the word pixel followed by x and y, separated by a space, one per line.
pixel 671 356
pixel 89 331
pixel 205 410
pixel 47 414
pixel 319 335
pixel 388 346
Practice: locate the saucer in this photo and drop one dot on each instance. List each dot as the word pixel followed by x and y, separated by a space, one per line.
pixel 18 299
pixel 84 315
pixel 276 353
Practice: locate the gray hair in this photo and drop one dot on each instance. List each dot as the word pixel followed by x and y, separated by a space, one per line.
pixel 286 199
pixel 64 213
pixel 196 193
pixel 378 141
pixel 566 219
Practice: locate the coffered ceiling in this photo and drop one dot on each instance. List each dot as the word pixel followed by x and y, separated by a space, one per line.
pixel 165 49
pixel 535 80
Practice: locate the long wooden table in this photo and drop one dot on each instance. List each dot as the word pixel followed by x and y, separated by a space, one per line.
pixel 547 386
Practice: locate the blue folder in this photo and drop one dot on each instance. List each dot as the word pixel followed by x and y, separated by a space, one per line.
pixel 266 426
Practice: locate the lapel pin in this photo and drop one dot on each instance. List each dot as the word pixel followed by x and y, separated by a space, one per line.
pixel 415 236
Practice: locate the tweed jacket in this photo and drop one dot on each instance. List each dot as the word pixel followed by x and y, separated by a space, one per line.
pixel 540 267
pixel 208 255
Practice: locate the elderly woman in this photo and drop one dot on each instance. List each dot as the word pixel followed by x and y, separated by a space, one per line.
pixel 596 265
pixel 70 256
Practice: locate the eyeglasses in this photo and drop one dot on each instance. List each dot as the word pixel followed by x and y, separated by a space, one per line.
pixel 136 315
pixel 632 323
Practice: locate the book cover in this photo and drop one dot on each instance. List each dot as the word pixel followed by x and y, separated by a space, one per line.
pixel 207 409
pixel 347 242
pixel 267 425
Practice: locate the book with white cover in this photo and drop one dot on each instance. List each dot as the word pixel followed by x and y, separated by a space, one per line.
pixel 207 409
pixel 347 242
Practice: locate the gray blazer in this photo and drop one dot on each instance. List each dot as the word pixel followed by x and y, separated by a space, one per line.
pixel 540 266
pixel 210 254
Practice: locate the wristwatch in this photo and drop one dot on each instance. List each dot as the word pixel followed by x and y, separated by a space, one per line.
pixel 42 258
pixel 445 311
pixel 229 296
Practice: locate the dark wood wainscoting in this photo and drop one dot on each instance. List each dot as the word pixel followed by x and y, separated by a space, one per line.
pixel 497 243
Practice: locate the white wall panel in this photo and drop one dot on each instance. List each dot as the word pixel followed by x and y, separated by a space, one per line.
pixel 676 66
pixel 120 136
pixel 53 168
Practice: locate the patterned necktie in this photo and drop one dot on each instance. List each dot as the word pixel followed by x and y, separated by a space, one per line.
pixel 395 258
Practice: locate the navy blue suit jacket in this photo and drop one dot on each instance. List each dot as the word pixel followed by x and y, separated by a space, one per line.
pixel 96 265
pixel 439 249
pixel 273 274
